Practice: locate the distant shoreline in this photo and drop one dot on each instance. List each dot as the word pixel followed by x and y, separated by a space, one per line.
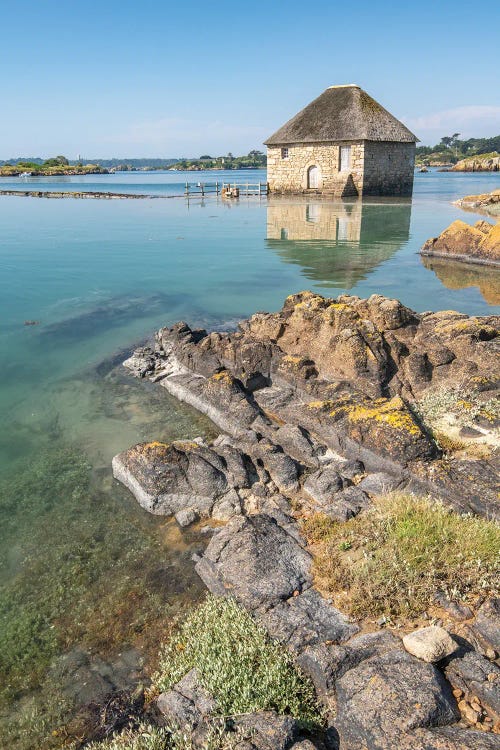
pixel 79 194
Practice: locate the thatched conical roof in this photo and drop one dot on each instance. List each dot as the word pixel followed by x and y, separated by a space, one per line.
pixel 342 113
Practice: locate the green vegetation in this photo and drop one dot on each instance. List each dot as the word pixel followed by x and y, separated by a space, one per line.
pixel 148 737
pixel 253 160
pixel 451 149
pixel 237 663
pixel 73 569
pixel 392 559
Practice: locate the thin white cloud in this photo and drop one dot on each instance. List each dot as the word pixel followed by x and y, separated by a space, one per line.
pixel 471 121
pixel 187 137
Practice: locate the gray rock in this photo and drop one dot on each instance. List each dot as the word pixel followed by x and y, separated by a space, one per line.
pixel 487 623
pixel 267 730
pixel 186 516
pixel 323 484
pixel 305 620
pixel 239 470
pixel 226 507
pixel 349 468
pixel 346 504
pixel 255 560
pixel 282 469
pixel 142 363
pixel 221 397
pixel 449 738
pixel 379 483
pixel 166 478
pixel 326 663
pixel 297 443
pixel 187 703
pixel 430 644
pixel 476 676
pixel 388 696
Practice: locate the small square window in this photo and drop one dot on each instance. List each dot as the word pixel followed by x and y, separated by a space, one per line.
pixel 284 153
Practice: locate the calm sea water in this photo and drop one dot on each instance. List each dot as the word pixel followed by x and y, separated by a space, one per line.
pixel 77 553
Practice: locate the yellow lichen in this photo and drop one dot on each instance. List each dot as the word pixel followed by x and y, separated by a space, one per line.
pixel 320 405
pixel 339 306
pixel 392 413
pixel 154 444
pixel 186 445
pixel 293 360
pixel 224 375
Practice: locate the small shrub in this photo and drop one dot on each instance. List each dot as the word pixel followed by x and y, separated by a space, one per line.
pixel 392 559
pixel 148 737
pixel 237 663
pixel 466 404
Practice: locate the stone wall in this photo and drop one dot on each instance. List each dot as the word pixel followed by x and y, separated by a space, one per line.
pixel 290 175
pixel 389 168
pixel 377 168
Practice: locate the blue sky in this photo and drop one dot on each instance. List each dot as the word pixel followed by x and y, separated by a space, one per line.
pixel 151 78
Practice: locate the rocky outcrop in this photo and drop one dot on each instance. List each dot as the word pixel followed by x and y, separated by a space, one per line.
pixel 473 244
pixel 319 406
pixel 298 389
pixel 480 163
pixel 485 203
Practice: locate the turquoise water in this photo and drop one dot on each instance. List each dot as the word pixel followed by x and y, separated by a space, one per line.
pixel 100 276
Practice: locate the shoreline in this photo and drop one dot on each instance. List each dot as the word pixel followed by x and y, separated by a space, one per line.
pixel 81 194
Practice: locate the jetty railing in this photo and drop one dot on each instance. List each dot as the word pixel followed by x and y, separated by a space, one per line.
pixel 226 189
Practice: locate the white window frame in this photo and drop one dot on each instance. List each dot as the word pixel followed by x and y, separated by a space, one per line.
pixel 343 167
pixel 284 152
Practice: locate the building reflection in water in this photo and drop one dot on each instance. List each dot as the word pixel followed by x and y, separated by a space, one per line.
pixel 455 275
pixel 337 244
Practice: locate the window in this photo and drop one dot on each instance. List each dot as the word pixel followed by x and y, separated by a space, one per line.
pixel 345 159
pixel 284 153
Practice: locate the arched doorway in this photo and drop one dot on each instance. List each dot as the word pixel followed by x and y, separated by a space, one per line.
pixel 313 177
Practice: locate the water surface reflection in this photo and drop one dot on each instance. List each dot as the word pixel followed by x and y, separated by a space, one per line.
pixel 337 243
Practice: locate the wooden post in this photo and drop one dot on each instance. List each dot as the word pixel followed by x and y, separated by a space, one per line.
pixel 186 191
pixel 217 187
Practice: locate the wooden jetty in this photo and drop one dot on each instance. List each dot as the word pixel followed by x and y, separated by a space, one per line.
pixel 226 189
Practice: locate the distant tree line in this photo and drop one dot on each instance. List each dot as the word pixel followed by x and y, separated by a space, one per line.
pixel 452 149
pixel 35 161
pixel 253 160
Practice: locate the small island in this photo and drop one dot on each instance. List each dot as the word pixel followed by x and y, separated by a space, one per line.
pixel 53 167
pixel 471 155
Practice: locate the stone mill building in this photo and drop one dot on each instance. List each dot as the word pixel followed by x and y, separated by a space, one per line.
pixel 343 143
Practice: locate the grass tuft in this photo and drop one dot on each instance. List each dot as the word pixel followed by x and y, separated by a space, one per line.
pixel 392 559
pixel 238 664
